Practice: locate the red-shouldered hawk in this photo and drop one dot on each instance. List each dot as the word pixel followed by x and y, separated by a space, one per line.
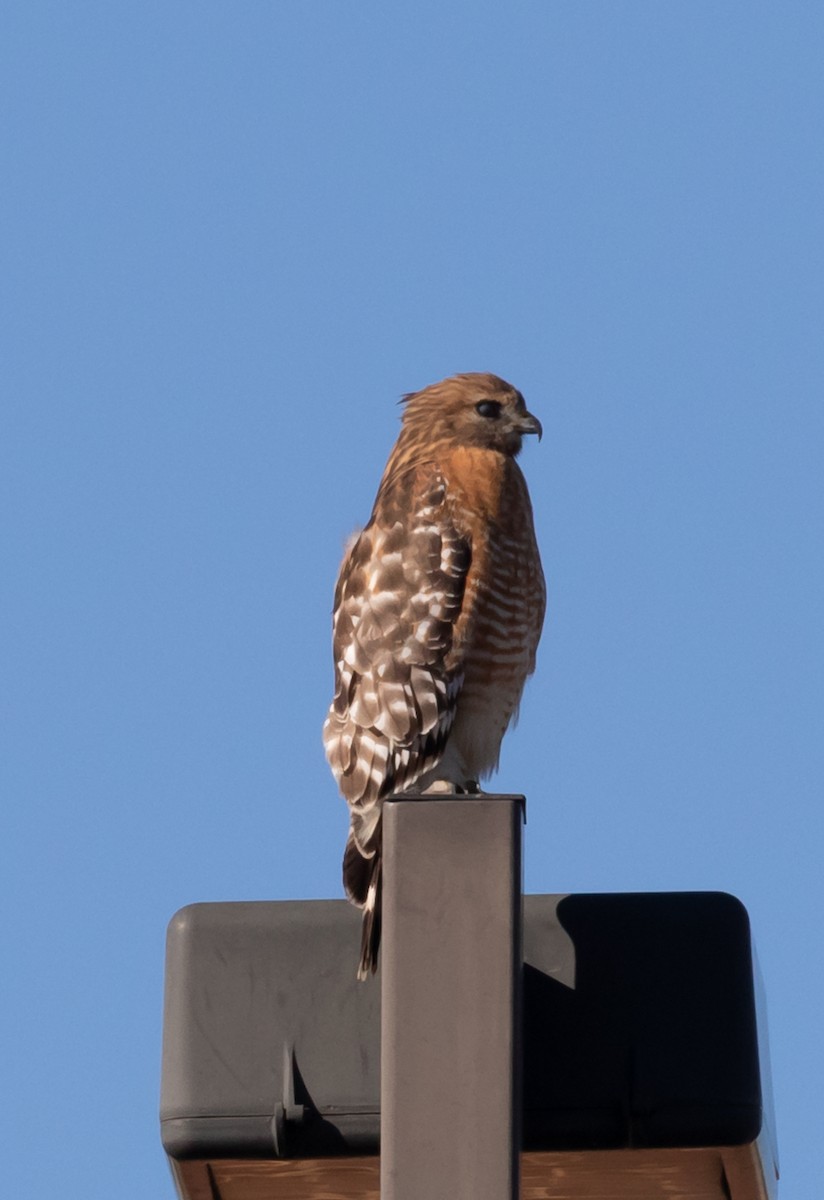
pixel 438 611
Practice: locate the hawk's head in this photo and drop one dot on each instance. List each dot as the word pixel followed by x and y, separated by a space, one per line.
pixel 471 410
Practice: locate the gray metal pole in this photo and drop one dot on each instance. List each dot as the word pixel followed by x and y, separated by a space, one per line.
pixel 451 972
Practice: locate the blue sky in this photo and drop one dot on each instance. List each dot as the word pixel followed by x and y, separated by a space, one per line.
pixel 234 234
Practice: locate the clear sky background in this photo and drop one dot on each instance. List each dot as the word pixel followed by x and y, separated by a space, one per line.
pixel 233 235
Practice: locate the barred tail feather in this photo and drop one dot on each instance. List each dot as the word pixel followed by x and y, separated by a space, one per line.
pixel 362 882
pixel 371 928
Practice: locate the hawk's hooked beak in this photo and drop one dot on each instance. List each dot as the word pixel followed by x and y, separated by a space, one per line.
pixel 530 424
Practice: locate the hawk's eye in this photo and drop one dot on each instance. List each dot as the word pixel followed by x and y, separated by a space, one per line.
pixel 488 408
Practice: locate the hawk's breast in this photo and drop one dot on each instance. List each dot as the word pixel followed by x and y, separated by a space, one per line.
pixel 505 600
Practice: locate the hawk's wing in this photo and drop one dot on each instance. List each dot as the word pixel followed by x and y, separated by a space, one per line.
pixel 397 644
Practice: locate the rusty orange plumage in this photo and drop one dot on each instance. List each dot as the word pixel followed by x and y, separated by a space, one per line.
pixel 438 612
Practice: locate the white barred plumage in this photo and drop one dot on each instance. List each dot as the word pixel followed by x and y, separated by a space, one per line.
pixel 438 612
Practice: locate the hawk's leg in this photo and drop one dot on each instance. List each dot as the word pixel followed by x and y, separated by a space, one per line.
pixel 445 787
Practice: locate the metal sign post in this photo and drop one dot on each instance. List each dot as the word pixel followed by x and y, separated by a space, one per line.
pixel 451 977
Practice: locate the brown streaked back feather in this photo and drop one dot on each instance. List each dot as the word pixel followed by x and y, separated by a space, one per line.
pixel 397 607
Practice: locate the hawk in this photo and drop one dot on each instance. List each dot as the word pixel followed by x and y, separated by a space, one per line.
pixel 437 614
